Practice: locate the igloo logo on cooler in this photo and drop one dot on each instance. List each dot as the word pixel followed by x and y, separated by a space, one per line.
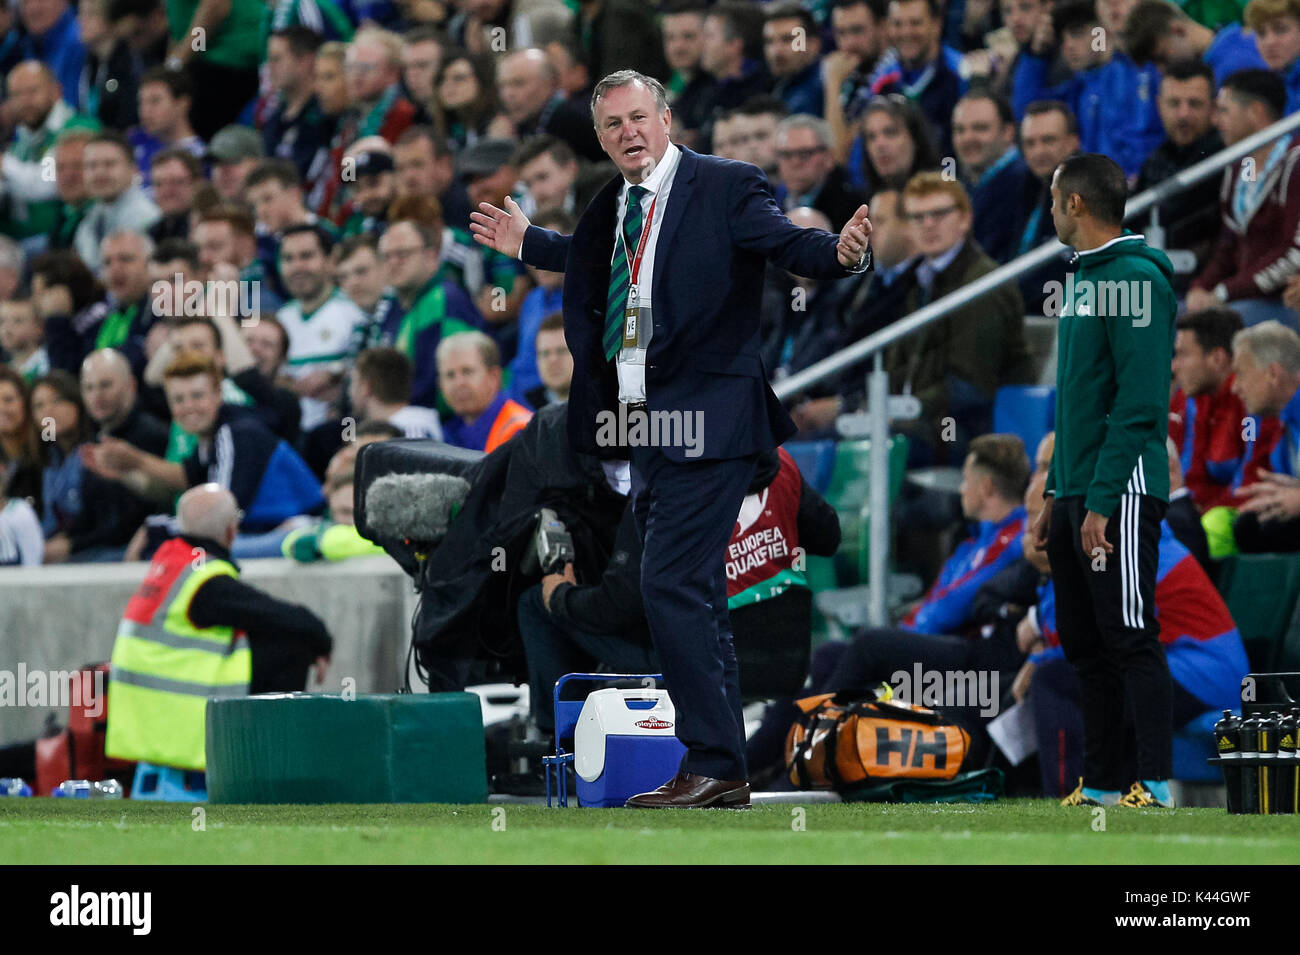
pixel 653 723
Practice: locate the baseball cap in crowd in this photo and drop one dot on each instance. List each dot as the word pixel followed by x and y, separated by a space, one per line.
pixel 372 164
pixel 235 143
pixel 485 157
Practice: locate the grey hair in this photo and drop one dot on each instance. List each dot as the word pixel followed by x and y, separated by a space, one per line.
pixel 1270 342
pixel 626 78
pixel 486 347
pixel 144 240
pixel 818 125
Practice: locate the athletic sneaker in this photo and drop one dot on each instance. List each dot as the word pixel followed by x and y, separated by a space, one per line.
pixel 1077 798
pixel 1140 796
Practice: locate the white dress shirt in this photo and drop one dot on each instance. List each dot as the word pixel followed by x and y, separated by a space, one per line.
pixel 631 361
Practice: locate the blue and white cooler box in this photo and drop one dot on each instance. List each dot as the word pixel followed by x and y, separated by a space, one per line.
pixel 624 745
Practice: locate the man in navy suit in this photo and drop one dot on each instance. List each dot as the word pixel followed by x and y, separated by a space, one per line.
pixel 662 280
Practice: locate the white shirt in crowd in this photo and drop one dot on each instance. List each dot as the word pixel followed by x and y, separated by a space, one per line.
pixel 21 540
pixel 417 422
pixel 318 341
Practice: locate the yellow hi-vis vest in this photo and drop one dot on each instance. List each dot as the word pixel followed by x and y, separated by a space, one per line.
pixel 164 668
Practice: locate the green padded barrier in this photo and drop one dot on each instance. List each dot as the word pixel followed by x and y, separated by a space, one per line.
pixel 313 748
pixel 1260 591
pixel 849 493
pixel 1288 654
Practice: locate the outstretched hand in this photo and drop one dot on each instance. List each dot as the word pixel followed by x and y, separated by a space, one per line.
pixel 500 229
pixel 855 238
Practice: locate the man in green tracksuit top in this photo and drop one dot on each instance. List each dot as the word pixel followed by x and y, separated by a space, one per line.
pixel 1110 481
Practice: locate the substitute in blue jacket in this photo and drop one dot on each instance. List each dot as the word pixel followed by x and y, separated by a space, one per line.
pixel 942 634
pixel 939 633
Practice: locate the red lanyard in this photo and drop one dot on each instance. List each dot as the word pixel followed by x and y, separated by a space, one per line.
pixel 641 244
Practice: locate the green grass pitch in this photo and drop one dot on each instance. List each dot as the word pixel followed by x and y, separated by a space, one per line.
pixel 1010 831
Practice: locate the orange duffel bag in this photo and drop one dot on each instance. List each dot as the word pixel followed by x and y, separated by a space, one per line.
pixel 842 739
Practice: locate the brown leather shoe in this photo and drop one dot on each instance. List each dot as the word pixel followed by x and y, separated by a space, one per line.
pixel 689 791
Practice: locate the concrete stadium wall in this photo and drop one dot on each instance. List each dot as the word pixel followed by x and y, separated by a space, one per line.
pixel 59 618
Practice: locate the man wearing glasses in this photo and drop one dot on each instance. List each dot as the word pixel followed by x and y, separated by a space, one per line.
pixel 808 174
pixel 956 365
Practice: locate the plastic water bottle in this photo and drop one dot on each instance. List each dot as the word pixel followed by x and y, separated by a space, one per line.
pixel 85 789
pixel 14 787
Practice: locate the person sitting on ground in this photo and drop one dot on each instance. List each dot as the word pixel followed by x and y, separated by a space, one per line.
pixel 570 627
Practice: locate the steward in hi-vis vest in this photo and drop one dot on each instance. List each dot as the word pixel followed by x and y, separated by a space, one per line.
pixel 193 631
pixel 165 668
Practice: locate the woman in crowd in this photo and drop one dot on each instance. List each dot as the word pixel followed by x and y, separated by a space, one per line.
pixel 894 143
pixel 20 446
pixel 465 100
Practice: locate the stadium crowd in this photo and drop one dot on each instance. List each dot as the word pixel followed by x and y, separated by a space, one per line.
pixel 235 244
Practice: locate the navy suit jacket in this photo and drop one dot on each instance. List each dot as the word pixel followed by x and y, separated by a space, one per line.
pixel 720 226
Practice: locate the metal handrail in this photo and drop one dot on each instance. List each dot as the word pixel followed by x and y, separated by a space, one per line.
pixel 863 348
pixel 873 345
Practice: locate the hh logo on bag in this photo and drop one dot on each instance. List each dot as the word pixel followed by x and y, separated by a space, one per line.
pixel 901 747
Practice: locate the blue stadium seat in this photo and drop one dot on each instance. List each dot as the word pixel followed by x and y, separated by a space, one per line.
pixel 816 460
pixel 1193 745
pixel 1025 410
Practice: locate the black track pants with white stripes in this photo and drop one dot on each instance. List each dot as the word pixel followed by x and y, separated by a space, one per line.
pixel 1106 620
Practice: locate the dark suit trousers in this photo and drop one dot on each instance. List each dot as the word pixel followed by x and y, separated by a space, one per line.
pixel 685 513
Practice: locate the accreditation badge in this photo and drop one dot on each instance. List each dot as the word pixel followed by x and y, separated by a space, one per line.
pixel 631 316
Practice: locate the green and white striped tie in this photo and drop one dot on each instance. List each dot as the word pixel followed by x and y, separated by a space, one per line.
pixel 620 272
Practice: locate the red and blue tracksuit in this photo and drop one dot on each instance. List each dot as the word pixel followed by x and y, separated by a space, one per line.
pixel 1208 432
pixel 1285 458
pixel 1205 653
pixel 1202 646
pixel 946 607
